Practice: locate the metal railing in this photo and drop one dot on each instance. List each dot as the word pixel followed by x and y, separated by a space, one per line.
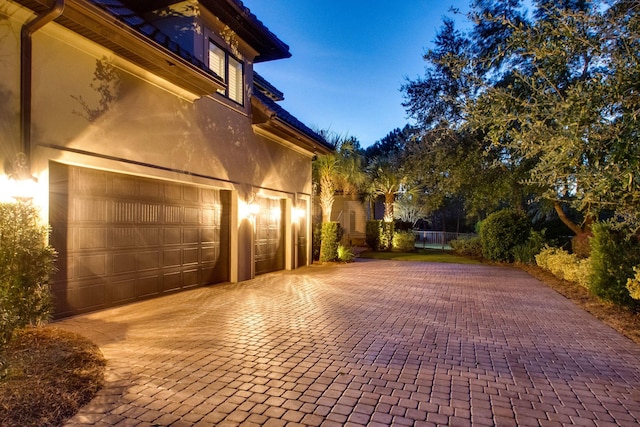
pixel 437 239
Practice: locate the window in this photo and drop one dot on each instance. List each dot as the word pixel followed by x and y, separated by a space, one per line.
pixel 230 69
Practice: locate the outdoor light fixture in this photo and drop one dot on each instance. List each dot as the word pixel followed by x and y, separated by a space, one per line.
pixel 249 208
pixel 298 213
pixel 21 184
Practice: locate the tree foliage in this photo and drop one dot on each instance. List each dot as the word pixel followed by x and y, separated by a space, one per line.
pixel 540 106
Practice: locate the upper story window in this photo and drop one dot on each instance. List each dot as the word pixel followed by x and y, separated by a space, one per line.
pixel 230 69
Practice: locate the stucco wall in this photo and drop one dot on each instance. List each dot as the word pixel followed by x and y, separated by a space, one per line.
pixel 94 109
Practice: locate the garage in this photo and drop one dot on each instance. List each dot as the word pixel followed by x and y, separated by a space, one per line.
pixel 270 250
pixel 123 238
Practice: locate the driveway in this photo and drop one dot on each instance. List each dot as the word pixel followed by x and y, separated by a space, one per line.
pixel 368 343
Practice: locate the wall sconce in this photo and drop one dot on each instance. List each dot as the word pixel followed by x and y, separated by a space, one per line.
pixel 249 208
pixel 22 186
pixel 298 214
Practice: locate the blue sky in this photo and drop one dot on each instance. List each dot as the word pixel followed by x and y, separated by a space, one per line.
pixel 350 58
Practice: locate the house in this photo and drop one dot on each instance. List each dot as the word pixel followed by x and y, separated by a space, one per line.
pixel 160 159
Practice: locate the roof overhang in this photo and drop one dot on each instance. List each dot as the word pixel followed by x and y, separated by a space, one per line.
pixel 239 19
pixel 105 29
pixel 268 124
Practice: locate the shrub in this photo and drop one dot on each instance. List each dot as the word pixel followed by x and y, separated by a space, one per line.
pixel 581 246
pixel 345 254
pixel 373 232
pixel 386 235
pixel 316 240
pixel 614 253
pixel 501 232
pixel 525 253
pixel 27 261
pixel 331 236
pixel 469 246
pixel 404 241
pixel 565 265
pixel 633 284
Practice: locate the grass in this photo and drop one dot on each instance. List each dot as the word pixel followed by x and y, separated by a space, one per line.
pixel 424 255
pixel 49 375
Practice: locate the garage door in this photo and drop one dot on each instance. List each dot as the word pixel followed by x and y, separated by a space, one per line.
pixel 269 236
pixel 122 238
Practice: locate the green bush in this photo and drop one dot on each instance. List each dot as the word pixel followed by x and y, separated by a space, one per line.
pixel 614 253
pixel 501 232
pixel 564 265
pixel 372 236
pixel 27 261
pixel 633 284
pixel 404 241
pixel 467 246
pixel 386 235
pixel 345 254
pixel 316 240
pixel 331 235
pixel 526 252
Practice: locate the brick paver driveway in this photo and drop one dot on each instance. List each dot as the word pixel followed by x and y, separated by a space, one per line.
pixel 369 343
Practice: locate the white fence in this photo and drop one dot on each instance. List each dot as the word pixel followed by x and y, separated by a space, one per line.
pixel 437 239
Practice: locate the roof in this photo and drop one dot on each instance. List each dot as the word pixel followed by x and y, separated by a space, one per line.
pixel 282 115
pixel 238 17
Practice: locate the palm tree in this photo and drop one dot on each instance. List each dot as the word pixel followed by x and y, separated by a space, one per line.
pixel 339 171
pixel 386 178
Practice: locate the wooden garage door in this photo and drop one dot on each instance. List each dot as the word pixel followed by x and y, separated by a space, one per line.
pixel 269 236
pixel 122 238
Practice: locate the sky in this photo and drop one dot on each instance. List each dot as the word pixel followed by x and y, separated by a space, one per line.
pixel 350 59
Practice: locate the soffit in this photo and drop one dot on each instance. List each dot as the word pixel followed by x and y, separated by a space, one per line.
pixel 109 24
pixel 238 17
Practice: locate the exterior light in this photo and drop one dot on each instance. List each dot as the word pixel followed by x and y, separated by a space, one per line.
pixel 19 183
pixel 298 213
pixel 248 209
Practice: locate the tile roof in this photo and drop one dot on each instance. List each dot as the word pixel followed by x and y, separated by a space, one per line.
pixel 289 119
pixel 117 9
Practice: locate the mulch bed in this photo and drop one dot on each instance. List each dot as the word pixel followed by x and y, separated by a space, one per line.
pixel 48 376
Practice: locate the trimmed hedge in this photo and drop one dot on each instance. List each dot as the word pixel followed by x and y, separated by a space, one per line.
pixel 565 265
pixel 331 235
pixel 469 246
pixel 372 236
pixel 501 232
pixel 404 241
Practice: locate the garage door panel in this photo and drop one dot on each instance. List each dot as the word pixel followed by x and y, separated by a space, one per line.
pixel 91 238
pixel 90 266
pixel 172 258
pixel 124 263
pixel 172 236
pixel 190 256
pixel 123 238
pixel 148 286
pixel 149 260
pixel 123 290
pixel 191 235
pixel 172 281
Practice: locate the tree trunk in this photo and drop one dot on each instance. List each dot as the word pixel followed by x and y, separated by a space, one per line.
pixel 327 196
pixel 565 219
pixel 389 198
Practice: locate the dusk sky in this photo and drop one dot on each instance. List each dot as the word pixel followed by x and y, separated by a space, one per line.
pixel 350 58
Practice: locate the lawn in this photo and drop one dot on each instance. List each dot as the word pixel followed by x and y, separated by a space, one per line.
pixel 424 255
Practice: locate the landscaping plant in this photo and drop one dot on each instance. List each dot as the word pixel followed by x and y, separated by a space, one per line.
pixel 404 241
pixel 501 232
pixel 614 254
pixel 26 261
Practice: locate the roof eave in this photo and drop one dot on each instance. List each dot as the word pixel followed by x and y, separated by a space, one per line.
pixel 267 123
pixel 99 26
